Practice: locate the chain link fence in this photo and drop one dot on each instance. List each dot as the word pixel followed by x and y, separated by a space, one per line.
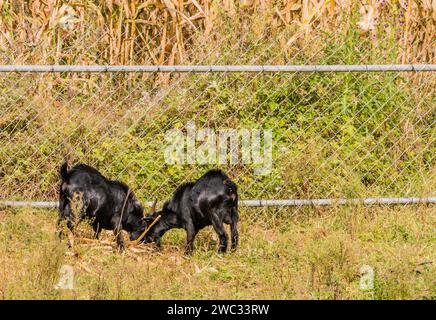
pixel 279 135
pixel 288 135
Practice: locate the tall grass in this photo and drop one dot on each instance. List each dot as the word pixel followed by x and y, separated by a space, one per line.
pixel 334 135
pixel 177 32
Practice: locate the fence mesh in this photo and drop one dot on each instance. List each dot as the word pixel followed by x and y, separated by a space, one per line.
pixel 334 135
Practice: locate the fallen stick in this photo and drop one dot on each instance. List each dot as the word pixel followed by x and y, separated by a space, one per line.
pixel 146 230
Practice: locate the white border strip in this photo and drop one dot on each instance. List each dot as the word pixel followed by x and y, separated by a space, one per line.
pixel 220 68
pixel 265 203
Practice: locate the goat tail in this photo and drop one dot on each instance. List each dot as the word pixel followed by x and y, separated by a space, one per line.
pixel 64 170
pixel 235 208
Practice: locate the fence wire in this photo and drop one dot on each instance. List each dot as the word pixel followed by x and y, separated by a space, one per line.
pixel 108 93
pixel 221 68
pixel 333 135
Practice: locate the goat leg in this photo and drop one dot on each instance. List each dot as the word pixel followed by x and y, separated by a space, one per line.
pixel 219 229
pixel 191 232
pixel 119 238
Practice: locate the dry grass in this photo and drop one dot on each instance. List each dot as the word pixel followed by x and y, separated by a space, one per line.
pixel 284 254
pixel 178 32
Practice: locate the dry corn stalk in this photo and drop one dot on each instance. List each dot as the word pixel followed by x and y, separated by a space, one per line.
pixel 175 31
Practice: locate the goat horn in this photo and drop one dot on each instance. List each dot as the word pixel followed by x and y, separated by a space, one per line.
pixel 153 206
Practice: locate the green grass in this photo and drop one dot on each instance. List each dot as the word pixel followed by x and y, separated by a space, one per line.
pixel 349 135
pixel 310 253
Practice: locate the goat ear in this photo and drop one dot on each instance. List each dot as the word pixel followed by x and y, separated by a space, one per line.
pixel 153 207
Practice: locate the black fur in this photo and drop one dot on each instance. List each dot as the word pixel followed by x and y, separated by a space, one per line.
pixel 211 200
pixel 109 204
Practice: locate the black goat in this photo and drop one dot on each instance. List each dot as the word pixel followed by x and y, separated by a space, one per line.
pixel 109 204
pixel 212 200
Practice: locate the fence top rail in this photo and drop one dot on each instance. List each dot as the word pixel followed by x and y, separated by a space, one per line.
pixel 220 68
